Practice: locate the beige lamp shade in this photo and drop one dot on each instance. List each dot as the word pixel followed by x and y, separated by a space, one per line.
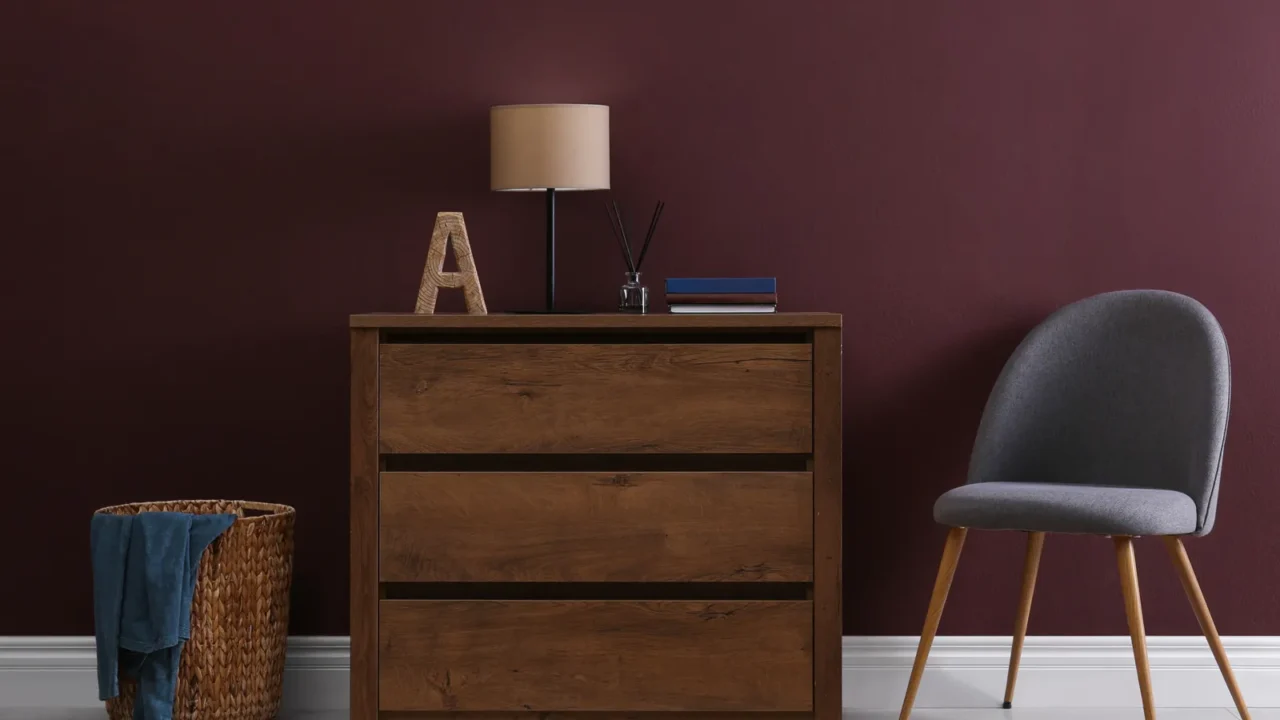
pixel 545 147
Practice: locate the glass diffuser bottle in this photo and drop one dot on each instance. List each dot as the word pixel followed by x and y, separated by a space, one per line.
pixel 633 296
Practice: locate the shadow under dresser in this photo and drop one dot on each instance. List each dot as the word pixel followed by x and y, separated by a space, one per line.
pixel 595 516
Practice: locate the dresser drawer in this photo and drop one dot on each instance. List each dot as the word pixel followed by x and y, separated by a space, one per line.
pixel 596 398
pixel 595 655
pixel 596 527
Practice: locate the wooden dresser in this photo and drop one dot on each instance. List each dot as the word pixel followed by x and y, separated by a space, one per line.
pixel 595 516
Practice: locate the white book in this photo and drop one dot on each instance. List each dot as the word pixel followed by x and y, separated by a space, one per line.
pixel 724 309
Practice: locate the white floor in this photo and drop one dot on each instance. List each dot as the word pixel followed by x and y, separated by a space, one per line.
pixel 922 714
pixel 1071 714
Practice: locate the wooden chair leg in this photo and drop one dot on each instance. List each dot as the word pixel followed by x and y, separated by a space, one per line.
pixel 1030 568
pixel 1189 583
pixel 941 586
pixel 1133 609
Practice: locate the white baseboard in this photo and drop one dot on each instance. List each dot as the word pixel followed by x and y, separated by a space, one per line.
pixel 1058 672
pixel 1062 672
pixel 39 672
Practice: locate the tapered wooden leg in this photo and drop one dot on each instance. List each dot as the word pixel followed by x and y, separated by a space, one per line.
pixel 1133 608
pixel 1189 583
pixel 941 586
pixel 1030 568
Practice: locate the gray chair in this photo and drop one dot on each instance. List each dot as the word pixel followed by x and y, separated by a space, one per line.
pixel 1109 419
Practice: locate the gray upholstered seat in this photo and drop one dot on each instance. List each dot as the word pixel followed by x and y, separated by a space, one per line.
pixel 1058 507
pixel 1109 418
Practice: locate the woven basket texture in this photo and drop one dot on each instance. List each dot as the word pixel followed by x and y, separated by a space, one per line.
pixel 233 665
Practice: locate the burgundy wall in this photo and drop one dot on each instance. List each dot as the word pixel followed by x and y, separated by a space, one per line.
pixel 196 197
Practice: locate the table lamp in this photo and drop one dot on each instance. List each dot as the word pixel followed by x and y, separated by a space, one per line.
pixel 549 147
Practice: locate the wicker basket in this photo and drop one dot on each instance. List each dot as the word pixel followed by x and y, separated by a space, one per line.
pixel 233 665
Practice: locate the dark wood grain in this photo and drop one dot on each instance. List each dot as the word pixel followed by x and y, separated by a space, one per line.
pixel 718 591
pixel 596 527
pixel 595 655
pixel 364 524
pixel 549 398
pixel 828 481
pixel 627 715
pixel 653 321
pixel 565 583
pixel 606 463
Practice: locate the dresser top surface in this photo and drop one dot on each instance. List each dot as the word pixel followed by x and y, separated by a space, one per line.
pixel 598 321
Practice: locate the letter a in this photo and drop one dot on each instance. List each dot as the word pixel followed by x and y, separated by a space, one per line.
pixel 450 229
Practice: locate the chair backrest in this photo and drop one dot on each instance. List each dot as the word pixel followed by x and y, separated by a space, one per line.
pixel 1127 389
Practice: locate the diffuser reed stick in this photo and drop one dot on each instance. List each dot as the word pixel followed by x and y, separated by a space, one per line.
pixel 619 235
pixel 653 226
pixel 619 227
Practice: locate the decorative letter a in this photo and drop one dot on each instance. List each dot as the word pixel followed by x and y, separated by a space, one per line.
pixel 450 228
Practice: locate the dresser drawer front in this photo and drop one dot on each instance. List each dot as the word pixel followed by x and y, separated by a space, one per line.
pixel 595 655
pixel 593 398
pixel 596 527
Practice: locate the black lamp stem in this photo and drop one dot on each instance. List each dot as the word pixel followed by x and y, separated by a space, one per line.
pixel 551 249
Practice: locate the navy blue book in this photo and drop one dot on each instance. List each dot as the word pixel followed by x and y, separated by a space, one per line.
pixel 722 285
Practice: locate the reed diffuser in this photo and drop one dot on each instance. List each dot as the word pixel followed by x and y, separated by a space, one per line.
pixel 634 296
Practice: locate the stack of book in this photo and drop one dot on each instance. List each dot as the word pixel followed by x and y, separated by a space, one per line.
pixel 722 295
